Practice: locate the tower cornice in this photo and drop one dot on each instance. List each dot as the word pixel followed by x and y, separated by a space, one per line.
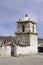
pixel 26 22
pixel 26 33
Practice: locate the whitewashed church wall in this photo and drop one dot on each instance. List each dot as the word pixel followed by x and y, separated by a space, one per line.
pixel 27 27
pixel 23 50
pixel 0 50
pixel 35 28
pixel 31 27
pixel 8 51
pixel 34 43
pixel 3 53
pixel 28 50
pixel 19 29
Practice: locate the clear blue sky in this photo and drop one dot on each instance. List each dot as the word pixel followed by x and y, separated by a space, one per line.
pixel 12 10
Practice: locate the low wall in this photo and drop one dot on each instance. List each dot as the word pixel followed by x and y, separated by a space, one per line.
pixel 6 51
pixel 28 50
pixel 0 50
pixel 18 50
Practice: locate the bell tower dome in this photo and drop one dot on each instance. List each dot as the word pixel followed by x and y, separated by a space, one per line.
pixel 26 18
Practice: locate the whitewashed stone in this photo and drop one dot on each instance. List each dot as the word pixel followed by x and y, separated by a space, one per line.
pixel 0 50
pixel 3 50
pixel 8 51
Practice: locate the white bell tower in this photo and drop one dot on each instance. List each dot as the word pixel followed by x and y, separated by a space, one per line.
pixel 26 34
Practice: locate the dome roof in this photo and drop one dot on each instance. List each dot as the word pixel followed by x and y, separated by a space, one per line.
pixel 26 18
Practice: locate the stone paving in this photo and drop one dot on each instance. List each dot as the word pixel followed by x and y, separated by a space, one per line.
pixel 22 60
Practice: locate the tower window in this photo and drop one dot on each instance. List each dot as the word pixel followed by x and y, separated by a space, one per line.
pixel 23 28
pixel 33 28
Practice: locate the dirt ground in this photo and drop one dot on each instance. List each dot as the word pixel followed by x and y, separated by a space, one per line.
pixel 22 60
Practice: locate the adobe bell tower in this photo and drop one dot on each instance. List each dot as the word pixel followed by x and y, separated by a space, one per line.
pixel 26 34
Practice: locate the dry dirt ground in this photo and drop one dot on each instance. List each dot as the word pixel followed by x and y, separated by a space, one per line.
pixel 22 60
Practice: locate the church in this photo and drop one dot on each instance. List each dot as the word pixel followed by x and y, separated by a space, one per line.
pixel 26 40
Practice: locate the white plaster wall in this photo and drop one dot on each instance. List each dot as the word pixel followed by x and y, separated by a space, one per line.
pixel 3 53
pixel 31 28
pixel 28 50
pixel 35 28
pixel 34 43
pixel 8 51
pixel 23 50
pixel 19 28
pixel 0 50
pixel 27 27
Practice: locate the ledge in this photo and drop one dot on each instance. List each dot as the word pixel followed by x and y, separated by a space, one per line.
pixel 26 33
pixel 26 22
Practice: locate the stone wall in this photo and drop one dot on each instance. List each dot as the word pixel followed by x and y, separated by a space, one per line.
pixel 23 38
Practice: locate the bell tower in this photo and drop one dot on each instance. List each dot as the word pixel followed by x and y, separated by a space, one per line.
pixel 26 34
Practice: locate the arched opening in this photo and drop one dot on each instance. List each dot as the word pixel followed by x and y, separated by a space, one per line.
pixel 33 28
pixel 12 49
pixel 23 28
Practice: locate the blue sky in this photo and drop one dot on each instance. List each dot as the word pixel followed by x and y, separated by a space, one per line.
pixel 12 10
